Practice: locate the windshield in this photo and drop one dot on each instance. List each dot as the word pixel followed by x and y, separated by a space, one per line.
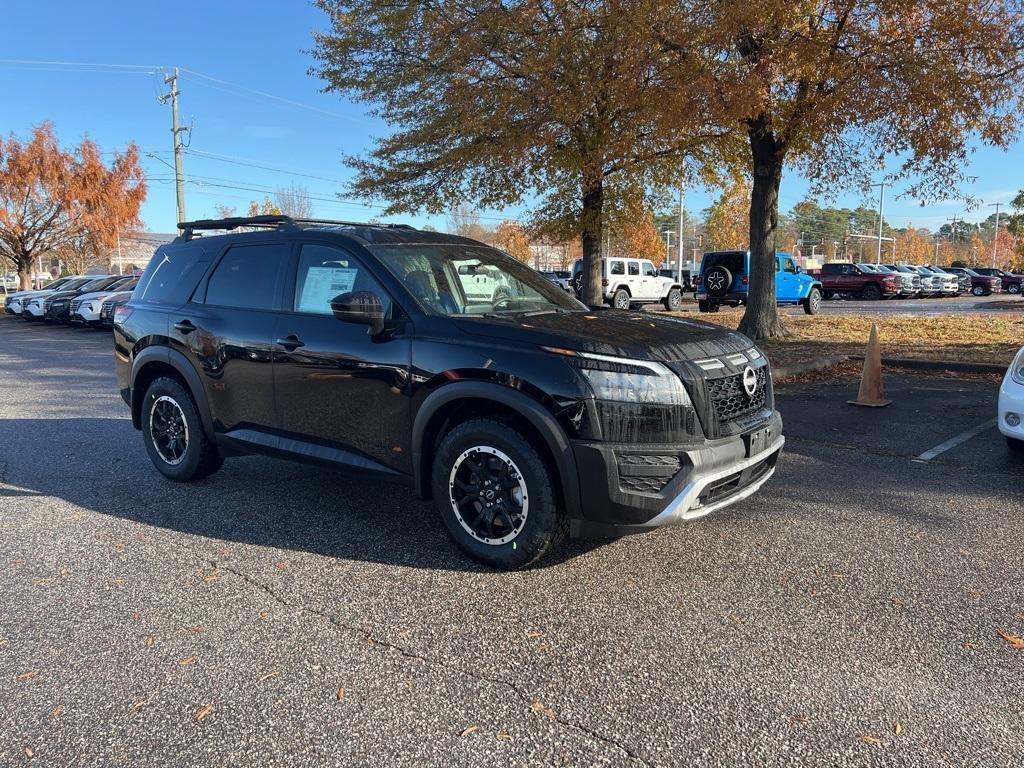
pixel 882 268
pixel 972 273
pixel 456 279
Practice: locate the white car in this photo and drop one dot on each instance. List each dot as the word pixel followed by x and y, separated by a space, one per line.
pixel 85 309
pixel 16 302
pixel 630 283
pixel 1011 404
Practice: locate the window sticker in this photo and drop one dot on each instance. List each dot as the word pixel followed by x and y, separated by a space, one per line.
pixel 323 284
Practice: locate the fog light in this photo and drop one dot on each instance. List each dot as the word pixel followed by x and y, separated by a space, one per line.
pixel 1013 419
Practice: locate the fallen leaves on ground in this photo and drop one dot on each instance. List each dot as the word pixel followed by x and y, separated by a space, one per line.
pixel 867 738
pixel 281 566
pixel 212 577
pixel 1013 641
pixel 471 729
pixel 542 710
pixel 270 675
pixel 150 641
pixel 203 712
pixel 340 695
pixel 28 752
pixel 27 675
pixel 56 711
pixel 187 660
pixel 897 728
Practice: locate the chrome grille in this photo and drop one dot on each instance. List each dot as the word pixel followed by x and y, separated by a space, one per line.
pixel 75 305
pixel 107 309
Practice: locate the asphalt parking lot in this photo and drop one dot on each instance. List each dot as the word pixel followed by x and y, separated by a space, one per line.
pixel 278 614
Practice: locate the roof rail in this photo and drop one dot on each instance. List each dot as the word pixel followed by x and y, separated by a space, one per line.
pixel 278 221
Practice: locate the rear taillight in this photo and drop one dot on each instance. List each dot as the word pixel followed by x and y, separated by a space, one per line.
pixel 604 282
pixel 746 280
pixel 121 313
pixel 698 281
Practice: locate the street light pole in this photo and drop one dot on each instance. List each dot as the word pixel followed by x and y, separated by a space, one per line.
pixel 881 198
pixel 995 237
pixel 679 262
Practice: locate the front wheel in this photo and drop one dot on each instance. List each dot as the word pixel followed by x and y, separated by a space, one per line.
pixel 871 292
pixel 674 300
pixel 812 304
pixel 978 290
pixel 173 433
pixel 495 496
pixel 620 299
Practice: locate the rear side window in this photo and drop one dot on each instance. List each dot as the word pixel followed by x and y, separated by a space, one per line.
pixel 171 276
pixel 618 268
pixel 634 268
pixel 247 277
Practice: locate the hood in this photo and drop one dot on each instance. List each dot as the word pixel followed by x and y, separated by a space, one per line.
pixel 637 335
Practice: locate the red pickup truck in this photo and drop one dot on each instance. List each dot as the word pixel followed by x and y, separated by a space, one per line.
pixel 850 280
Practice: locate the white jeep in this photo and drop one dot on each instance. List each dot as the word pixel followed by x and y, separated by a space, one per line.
pixel 630 283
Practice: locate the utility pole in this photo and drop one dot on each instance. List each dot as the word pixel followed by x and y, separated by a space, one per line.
pixel 881 198
pixel 995 237
pixel 176 131
pixel 668 248
pixel 679 264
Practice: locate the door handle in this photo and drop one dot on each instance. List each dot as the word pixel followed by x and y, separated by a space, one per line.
pixel 290 342
pixel 185 326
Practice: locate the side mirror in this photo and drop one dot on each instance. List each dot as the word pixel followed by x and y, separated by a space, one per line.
pixel 363 307
pixel 799 270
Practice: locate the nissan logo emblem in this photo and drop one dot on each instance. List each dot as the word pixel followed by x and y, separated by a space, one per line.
pixel 749 381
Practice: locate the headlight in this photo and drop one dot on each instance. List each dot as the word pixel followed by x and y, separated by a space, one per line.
pixel 623 380
pixel 1017 368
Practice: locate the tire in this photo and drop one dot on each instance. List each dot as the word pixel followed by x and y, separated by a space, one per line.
pixel 707 306
pixel 871 292
pixel 1014 444
pixel 978 290
pixel 199 457
pixel 674 300
pixel 1013 288
pixel 812 304
pixel 496 447
pixel 620 299
pixel 717 281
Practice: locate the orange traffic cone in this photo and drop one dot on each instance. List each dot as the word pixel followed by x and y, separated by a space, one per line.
pixel 871 393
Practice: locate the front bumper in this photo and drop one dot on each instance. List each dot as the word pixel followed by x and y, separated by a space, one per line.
pixel 1011 400
pixel 644 486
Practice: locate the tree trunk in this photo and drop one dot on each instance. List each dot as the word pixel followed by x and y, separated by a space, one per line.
pixel 593 202
pixel 761 320
pixel 23 262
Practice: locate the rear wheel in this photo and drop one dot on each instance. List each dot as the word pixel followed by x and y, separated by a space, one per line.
pixel 495 496
pixel 978 290
pixel 674 300
pixel 812 304
pixel 173 433
pixel 871 292
pixel 620 299
pixel 1013 288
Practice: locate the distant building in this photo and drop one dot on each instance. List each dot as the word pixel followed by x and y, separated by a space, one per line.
pixel 135 249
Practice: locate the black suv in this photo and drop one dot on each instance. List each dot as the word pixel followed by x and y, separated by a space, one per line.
pixel 439 361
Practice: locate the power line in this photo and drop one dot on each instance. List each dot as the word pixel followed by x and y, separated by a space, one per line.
pixel 253 164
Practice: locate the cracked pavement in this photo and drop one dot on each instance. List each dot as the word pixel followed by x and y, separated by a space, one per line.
pixel 277 614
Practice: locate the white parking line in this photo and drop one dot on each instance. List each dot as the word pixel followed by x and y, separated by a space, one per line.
pixel 953 442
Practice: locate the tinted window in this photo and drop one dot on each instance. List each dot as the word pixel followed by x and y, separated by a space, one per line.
pixel 618 268
pixel 247 277
pixel 326 272
pixel 734 261
pixel 172 275
pixel 634 268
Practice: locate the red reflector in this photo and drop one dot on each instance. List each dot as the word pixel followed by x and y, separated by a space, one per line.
pixel 746 281
pixel 604 283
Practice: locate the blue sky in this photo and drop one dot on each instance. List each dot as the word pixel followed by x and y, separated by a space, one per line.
pixel 261 45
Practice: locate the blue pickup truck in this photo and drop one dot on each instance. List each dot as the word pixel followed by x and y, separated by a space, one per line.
pixel 725 279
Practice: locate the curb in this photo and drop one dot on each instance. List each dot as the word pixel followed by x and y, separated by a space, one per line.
pixel 798 369
pixel 939 365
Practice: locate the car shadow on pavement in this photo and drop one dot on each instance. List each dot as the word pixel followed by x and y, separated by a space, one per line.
pixel 101 465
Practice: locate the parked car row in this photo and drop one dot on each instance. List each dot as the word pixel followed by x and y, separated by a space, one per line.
pixel 86 300
pixel 890 281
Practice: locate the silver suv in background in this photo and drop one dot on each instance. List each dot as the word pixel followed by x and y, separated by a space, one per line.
pixel 630 283
pixel 910 282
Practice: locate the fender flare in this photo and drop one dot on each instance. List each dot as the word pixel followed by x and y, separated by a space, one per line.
pixel 180 363
pixel 540 419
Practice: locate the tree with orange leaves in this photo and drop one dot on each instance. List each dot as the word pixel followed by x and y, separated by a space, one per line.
pixel 513 239
pixel 54 199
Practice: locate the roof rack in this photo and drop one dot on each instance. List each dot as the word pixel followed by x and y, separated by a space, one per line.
pixel 280 221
